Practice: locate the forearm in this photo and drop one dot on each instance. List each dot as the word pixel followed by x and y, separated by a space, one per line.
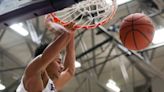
pixel 39 64
pixel 54 48
pixel 70 57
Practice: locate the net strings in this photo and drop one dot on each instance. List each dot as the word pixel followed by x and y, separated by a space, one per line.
pixel 86 12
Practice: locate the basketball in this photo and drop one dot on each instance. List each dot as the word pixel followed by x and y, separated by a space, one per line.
pixel 136 31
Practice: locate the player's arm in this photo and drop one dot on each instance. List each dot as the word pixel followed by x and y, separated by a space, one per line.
pixel 42 61
pixel 69 65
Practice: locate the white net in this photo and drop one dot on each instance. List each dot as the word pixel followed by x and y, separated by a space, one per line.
pixel 85 13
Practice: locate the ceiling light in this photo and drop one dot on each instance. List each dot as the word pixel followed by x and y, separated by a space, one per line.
pixel 2 87
pixel 119 2
pixel 112 86
pixel 19 29
pixel 158 36
pixel 77 64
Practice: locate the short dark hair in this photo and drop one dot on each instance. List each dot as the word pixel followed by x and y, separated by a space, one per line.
pixel 39 50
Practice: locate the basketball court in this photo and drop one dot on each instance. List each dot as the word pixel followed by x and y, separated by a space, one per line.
pixel 103 56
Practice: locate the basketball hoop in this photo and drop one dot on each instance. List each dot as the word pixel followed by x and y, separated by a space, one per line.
pixel 87 14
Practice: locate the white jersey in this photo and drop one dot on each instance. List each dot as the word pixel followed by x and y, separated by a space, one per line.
pixel 49 87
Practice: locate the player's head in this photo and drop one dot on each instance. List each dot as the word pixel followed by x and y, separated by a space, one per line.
pixel 54 68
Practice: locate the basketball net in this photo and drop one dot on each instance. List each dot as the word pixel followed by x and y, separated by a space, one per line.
pixel 85 13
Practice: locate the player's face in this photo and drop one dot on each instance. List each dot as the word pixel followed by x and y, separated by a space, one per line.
pixel 55 68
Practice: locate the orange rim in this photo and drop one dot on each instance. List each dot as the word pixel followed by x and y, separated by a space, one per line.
pixel 53 16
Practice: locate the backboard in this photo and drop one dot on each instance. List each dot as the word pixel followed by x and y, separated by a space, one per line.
pixel 10 5
pixel 12 11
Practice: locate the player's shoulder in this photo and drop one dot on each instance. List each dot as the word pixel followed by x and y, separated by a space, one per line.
pixel 31 67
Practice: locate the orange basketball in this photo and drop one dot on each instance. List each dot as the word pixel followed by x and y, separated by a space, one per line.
pixel 136 31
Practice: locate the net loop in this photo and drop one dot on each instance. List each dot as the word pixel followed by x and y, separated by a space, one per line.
pixel 85 13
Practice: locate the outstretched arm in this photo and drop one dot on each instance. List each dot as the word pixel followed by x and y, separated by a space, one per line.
pixel 69 65
pixel 39 64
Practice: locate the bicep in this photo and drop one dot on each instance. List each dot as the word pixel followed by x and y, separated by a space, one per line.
pixel 36 67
